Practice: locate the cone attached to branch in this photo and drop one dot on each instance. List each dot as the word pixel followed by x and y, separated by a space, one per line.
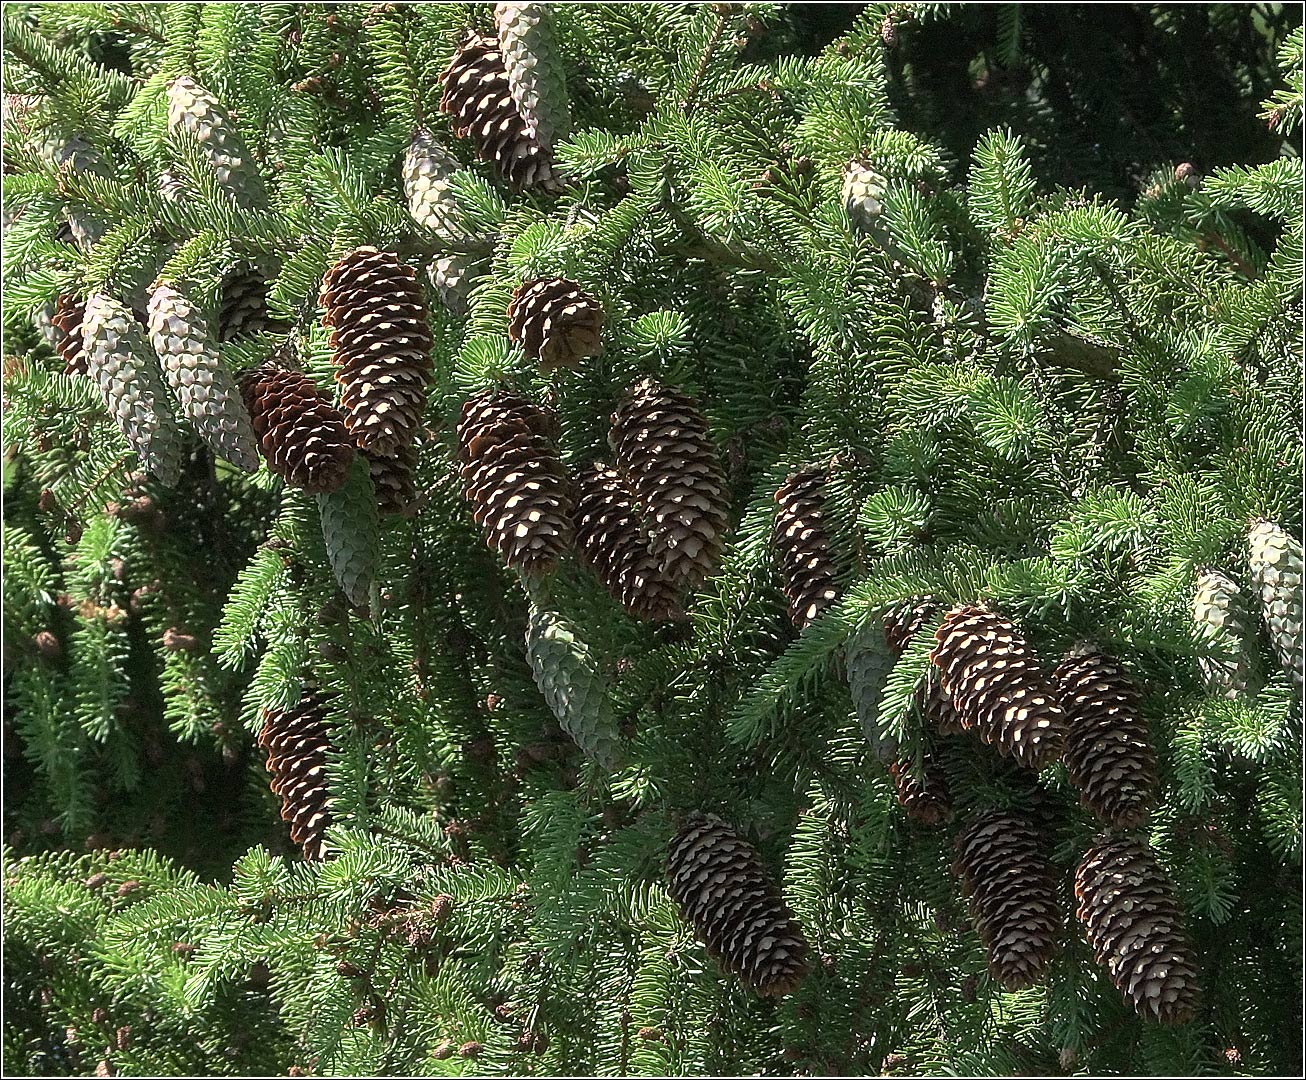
pixel 381 344
pixel 203 387
pixel 192 109
pixel 863 190
pixel 514 478
pixel 536 73
pixel 614 544
pixel 926 798
pixel 478 98
pixel 67 320
pixel 1275 562
pixel 672 466
pixel 1224 627
pixel 119 359
pixel 1012 896
pixel 351 534
pixel 394 481
pixel 426 172
pixel 997 687
pixel 296 741
pixel 569 678
pixel 1109 754
pixel 301 434
pixel 726 893
pixel 453 277
pixel 802 546
pixel 245 305
pixel 901 625
pixel 556 322
pixel 1130 909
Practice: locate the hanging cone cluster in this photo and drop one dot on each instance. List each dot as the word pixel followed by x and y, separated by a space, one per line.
pixel 67 320
pixel 672 466
pixel 118 359
pixel 301 434
pixel 926 799
pixel 426 172
pixel 1109 755
pixel 997 688
pixel 612 540
pixel 863 188
pixel 394 482
pixel 1012 896
pixel 802 547
pixel 194 110
pixel 296 741
pixel 478 97
pixel 1275 562
pixel 1224 627
pixel 569 678
pixel 724 891
pixel 203 387
pixel 381 344
pixel 245 305
pixel 513 477
pixel 536 74
pixel 1130 909
pixel 556 322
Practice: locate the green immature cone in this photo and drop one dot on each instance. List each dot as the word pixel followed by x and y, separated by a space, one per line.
pixel 863 190
pixel 1275 562
pixel 868 661
pixel 78 156
pixel 194 110
pixel 536 74
pixel 118 359
pixel 203 387
pixel 427 169
pixel 351 532
pixel 569 678
pixel 1224 626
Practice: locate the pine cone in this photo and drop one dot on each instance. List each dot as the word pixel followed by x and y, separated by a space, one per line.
pixel 426 172
pixel 867 662
pixel 1130 908
pixel 1274 560
pixel 672 466
pixel 926 799
pixel 118 359
pixel 296 742
pixel 1012 896
pixel 1224 626
pixel 203 387
pixel 381 345
pixel 514 478
pixel 76 155
pixel 556 322
pixel 245 305
pixel 67 320
pixel 394 482
pixel 301 434
pixel 724 891
pixel 863 188
pixel 194 110
pixel 453 277
pixel 478 96
pixel 351 533
pixel 802 547
pixel 614 544
pixel 572 685
pixel 997 688
pixel 1109 756
pixel 901 625
pixel 536 74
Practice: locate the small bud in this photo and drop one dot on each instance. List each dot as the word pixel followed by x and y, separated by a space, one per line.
pixel 105 1069
pixel 889 31
pixel 470 1050
pixel 331 652
pixel 650 1034
pixel 123 1037
pixel 73 534
pixel 47 503
pixel 96 881
pixel 1187 172
pixel 128 887
pixel 99 1015
pixel 442 908
pixel 348 970
pixel 175 640
pixel 183 949
pixel 443 1051
pixel 47 645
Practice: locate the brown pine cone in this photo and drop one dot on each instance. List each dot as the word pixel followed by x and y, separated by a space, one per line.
pixel 997 688
pixel 671 465
pixel 296 741
pixel 927 800
pixel 1012 896
pixel 478 97
pixel 901 625
pixel 1130 909
pixel 67 320
pixel 393 481
pixel 615 545
pixel 802 547
pixel 301 434
pixel 556 322
pixel 724 891
pixel 514 478
pixel 1109 754
pixel 381 344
